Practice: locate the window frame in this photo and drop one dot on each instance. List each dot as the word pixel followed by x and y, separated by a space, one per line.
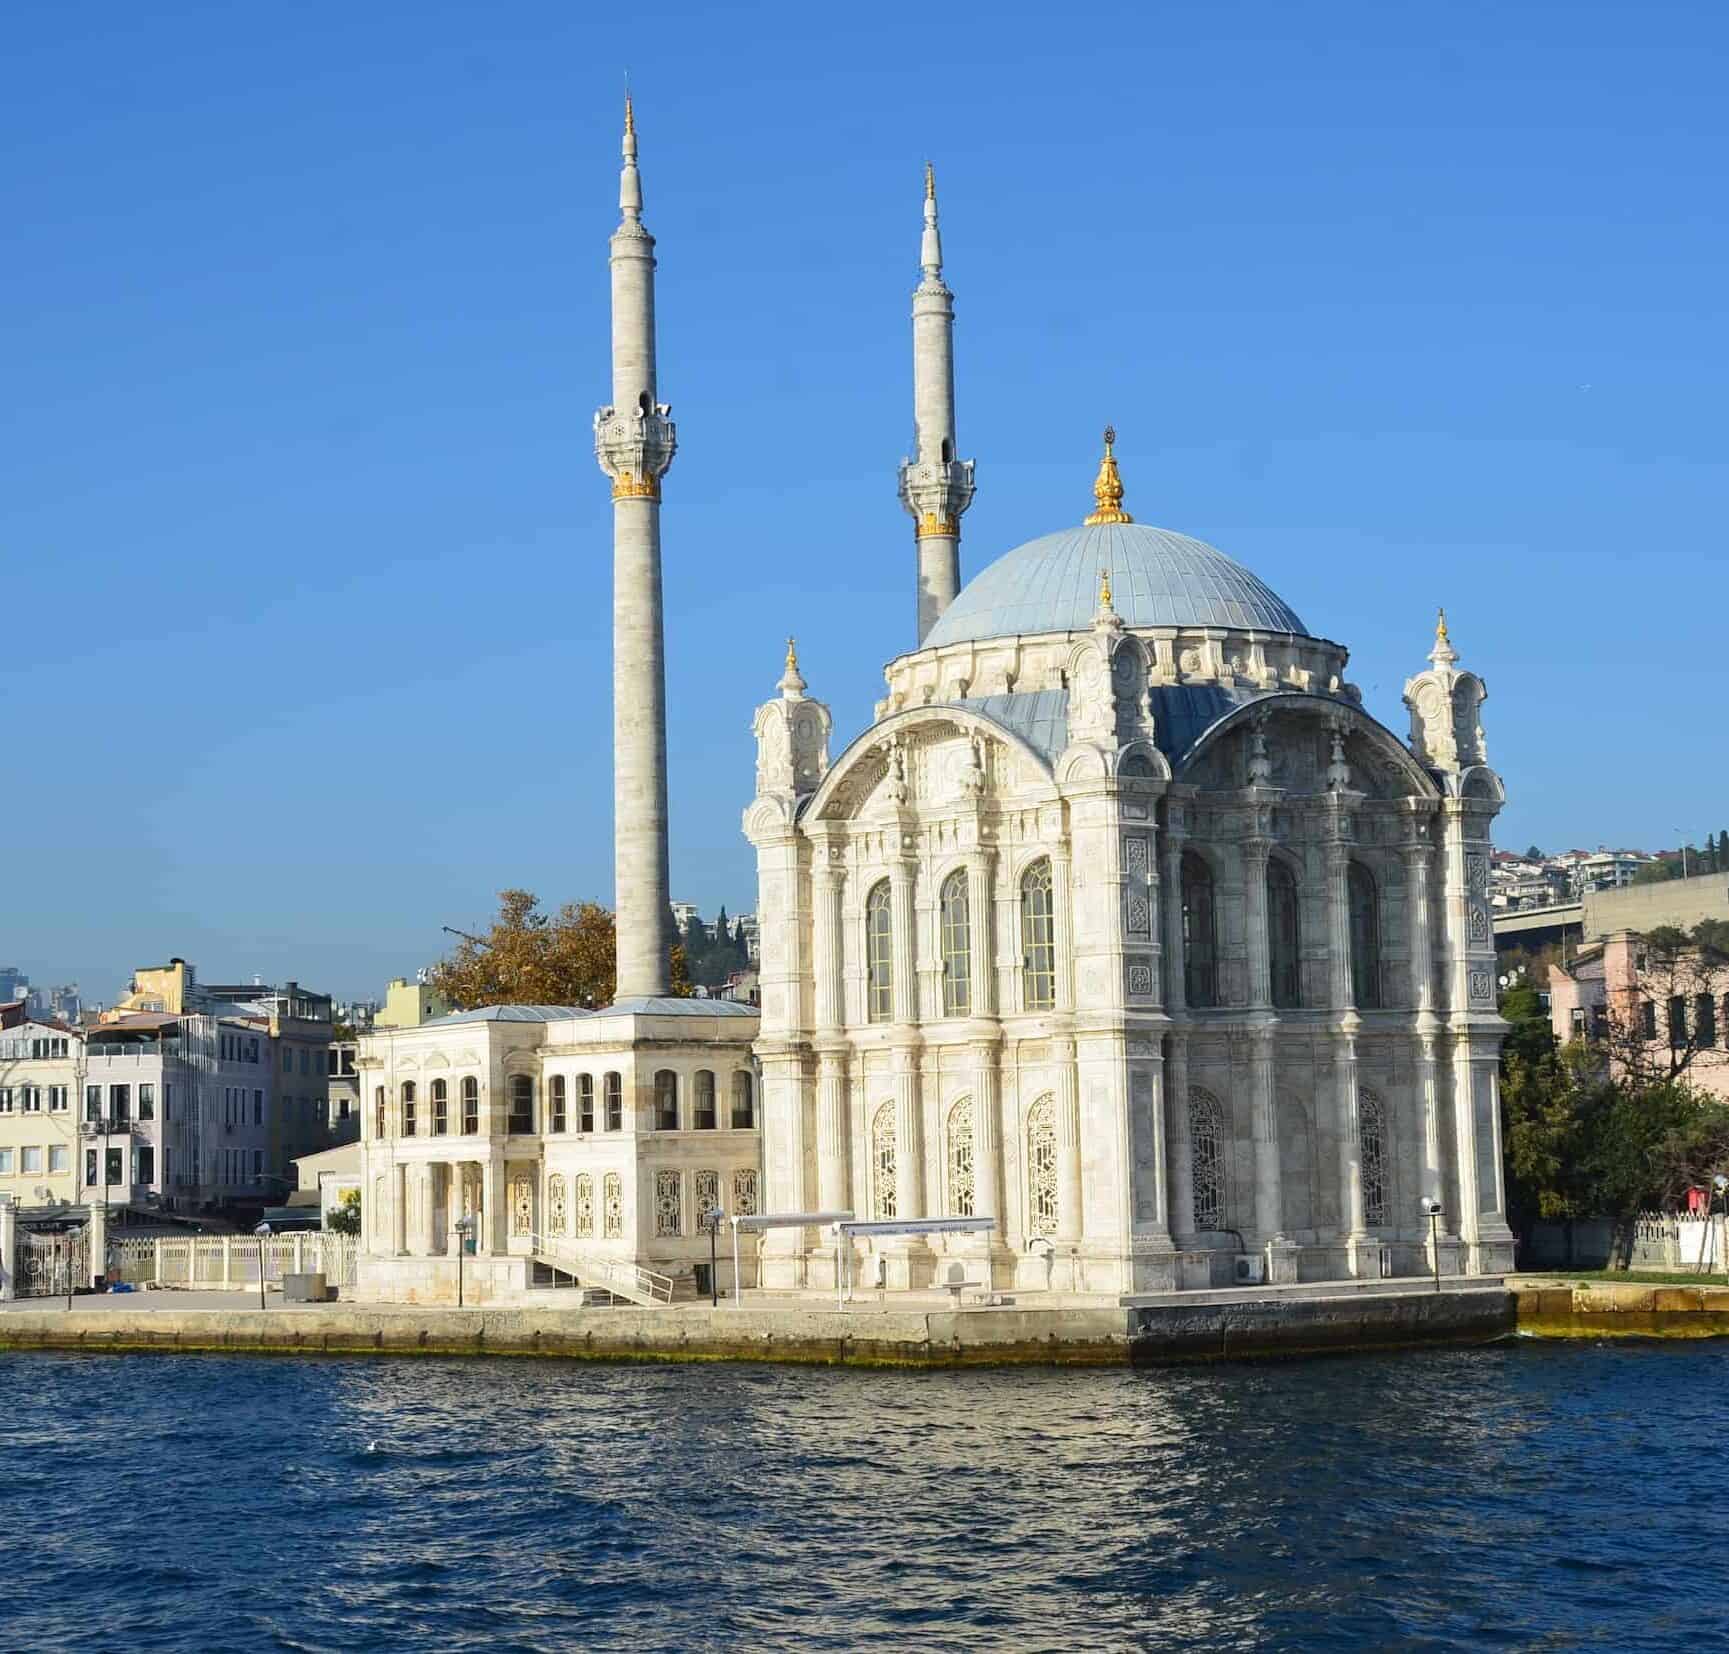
pixel 954 943
pixel 879 939
pixel 1038 904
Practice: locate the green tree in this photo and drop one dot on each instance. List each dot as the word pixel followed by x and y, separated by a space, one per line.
pixel 1533 854
pixel 1659 871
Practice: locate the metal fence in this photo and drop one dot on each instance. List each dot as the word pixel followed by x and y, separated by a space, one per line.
pixel 52 1265
pixel 213 1263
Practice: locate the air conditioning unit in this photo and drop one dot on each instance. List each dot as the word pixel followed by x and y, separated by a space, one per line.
pixel 1251 1269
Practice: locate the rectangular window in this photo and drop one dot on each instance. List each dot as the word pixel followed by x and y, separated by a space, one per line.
pixel 93 1103
pixel 59 1158
pixel 5 1099
pixel 1704 1020
pixel 521 1120
pixel 665 1100
pixel 1648 1019
pixel 704 1109
pixel 144 1164
pixel 120 1104
pixel 1578 1021
pixel 470 1106
pixel 585 1102
pixel 614 1102
pixel 116 1167
pixel 90 1168
pixel 258 1108
pixel 5 1162
pixel 167 1100
pixel 557 1103
pixel 287 1060
pixel 378 1120
pixel 30 1160
pixel 743 1100
pixel 57 1099
pixel 147 1102
pixel 440 1108
pixel 30 1101
pixel 258 1163
pixel 1677 1021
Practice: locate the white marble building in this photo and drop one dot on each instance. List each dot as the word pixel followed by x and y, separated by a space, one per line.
pixel 1124 923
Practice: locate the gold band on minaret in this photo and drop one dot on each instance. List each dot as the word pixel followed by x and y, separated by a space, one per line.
pixel 1108 487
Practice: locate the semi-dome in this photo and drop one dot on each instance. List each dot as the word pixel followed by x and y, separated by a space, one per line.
pixel 1158 578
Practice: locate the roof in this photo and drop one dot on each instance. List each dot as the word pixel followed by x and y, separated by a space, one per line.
pixel 672 1005
pixel 1158 578
pixel 502 1013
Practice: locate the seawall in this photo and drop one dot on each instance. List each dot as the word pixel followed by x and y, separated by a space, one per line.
pixel 1610 1309
pixel 1091 1337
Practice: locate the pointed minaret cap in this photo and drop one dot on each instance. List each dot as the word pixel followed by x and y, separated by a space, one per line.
pixel 1443 654
pixel 792 684
pixel 931 247
pixel 1105 617
pixel 630 181
pixel 1108 487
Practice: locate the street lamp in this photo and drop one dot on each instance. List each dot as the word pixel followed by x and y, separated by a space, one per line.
pixel 710 1220
pixel 464 1227
pixel 1431 1209
pixel 263 1233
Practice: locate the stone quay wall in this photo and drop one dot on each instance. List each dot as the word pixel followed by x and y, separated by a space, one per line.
pixel 1102 1336
pixel 1608 1309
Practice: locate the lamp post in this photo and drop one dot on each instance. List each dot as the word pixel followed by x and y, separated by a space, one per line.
pixel 263 1233
pixel 711 1220
pixel 1431 1209
pixel 464 1227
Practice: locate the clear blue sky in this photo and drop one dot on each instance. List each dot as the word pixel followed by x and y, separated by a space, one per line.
pixel 304 317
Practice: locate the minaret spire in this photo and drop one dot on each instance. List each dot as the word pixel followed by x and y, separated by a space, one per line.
pixel 935 487
pixel 634 441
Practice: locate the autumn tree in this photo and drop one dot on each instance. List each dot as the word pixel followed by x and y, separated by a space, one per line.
pixel 1675 1016
pixel 529 957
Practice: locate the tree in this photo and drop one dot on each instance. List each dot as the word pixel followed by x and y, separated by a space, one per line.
pixel 344 1217
pixel 1654 1033
pixel 527 957
pixel 1655 872
pixel 1533 854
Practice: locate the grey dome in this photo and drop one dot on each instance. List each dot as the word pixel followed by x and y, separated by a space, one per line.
pixel 1157 579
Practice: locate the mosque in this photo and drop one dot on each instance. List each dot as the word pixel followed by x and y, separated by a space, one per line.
pixel 1123 925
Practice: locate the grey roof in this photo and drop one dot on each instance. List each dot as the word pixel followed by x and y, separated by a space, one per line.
pixel 671 1005
pixel 1040 717
pixel 510 1013
pixel 1158 578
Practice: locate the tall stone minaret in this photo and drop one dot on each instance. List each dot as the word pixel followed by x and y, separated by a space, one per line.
pixel 935 486
pixel 634 441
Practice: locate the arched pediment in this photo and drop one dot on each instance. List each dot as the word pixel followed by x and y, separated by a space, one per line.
pixel 1381 764
pixel 856 774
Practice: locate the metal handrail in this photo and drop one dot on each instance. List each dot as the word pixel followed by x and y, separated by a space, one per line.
pixel 628 1280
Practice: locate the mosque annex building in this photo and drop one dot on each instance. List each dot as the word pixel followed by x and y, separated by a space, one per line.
pixel 1123 925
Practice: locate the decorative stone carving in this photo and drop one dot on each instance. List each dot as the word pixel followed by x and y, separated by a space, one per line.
pixel 634 447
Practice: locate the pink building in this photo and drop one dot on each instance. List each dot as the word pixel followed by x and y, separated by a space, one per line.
pixel 1614 987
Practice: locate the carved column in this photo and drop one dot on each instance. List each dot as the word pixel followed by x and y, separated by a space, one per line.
pixel 981 914
pixel 1068 1142
pixel 1417 854
pixel 1062 925
pixel 1269 1211
pixel 399 1209
pixel 1171 909
pixel 1181 1149
pixel 901 892
pixel 831 1129
pixel 495 1218
pixel 828 893
pixel 909 1136
pixel 1255 852
pixel 1351 1227
pixel 987 1143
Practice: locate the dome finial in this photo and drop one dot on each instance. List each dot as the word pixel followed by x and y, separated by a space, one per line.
pixel 792 684
pixel 1443 654
pixel 1105 604
pixel 1108 487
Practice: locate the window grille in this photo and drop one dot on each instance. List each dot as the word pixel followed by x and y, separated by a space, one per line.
pixel 613 1216
pixel 744 1192
pixel 961 1185
pixel 1207 1158
pixel 668 1204
pixel 584 1206
pixel 1043 1200
pixel 883 1163
pixel 1372 1156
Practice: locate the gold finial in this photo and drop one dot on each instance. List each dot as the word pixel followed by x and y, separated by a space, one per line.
pixel 1105 591
pixel 930 182
pixel 629 118
pixel 1441 627
pixel 1108 487
pixel 791 655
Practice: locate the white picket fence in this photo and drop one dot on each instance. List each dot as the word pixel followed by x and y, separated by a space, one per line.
pixel 213 1263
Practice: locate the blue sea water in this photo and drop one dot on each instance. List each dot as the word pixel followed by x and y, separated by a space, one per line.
pixel 1522 1495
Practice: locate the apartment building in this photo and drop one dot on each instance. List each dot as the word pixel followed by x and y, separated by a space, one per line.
pixel 40 1064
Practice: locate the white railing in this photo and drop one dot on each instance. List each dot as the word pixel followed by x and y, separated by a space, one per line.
pixel 615 1275
pixel 216 1263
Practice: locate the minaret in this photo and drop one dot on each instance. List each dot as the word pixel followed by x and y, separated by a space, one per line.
pixel 935 487
pixel 634 441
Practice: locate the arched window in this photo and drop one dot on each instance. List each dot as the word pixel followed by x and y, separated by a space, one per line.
pixel 744 1192
pixel 408 1109
pixel 1284 935
pixel 555 1204
pixel 879 955
pixel 440 1108
pixel 584 1206
pixel 1043 1199
pixel 379 1126
pixel 704 1117
pixel 1365 938
pixel 585 1102
pixel 470 1105
pixel 613 1102
pixel 1038 939
pixel 1200 933
pixel 1207 1158
pixel 665 1100
pixel 956 940
pixel 1372 1156
pixel 743 1101
pixel 556 1087
pixel 961 1186
pixel 521 1119
pixel 613 1213
pixel 883 1162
